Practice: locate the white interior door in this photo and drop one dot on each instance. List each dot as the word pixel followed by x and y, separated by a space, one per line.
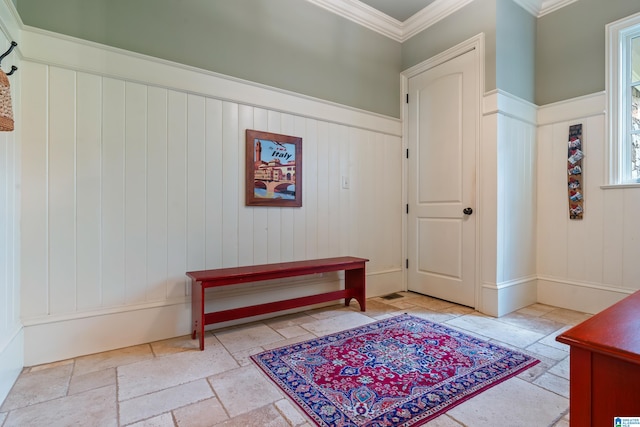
pixel 443 130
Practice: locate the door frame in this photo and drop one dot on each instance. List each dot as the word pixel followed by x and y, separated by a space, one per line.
pixel 476 44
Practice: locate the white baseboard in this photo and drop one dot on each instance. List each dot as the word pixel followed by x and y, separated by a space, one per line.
pixel 50 340
pixel 508 296
pixel 47 342
pixel 580 297
pixel 384 283
pixel 11 363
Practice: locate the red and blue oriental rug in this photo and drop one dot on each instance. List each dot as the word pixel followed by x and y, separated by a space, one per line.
pixel 402 371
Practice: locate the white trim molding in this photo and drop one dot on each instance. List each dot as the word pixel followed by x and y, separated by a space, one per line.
pixel 571 109
pixel 379 22
pixel 373 19
pixel 46 47
pixel 11 361
pixel 540 8
pixel 579 296
pixel 501 102
pixel 503 298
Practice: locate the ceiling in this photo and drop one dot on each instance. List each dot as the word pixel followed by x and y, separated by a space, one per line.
pixel 398 9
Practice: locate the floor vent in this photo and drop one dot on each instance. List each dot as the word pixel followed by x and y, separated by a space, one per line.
pixel 392 296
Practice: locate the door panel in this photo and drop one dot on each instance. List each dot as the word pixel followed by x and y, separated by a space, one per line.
pixel 443 123
pixel 442 259
pixel 438 112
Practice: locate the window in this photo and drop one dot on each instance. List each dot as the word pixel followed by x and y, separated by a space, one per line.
pixel 623 89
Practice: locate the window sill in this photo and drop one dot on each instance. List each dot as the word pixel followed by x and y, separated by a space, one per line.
pixel 620 186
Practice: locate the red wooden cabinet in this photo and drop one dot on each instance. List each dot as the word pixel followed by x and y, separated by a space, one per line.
pixel 605 365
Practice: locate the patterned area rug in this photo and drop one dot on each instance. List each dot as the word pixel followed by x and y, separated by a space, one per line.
pixel 402 371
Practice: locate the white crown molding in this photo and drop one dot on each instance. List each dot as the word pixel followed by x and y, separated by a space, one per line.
pixel 431 14
pixel 364 15
pixel 540 8
pixel 373 19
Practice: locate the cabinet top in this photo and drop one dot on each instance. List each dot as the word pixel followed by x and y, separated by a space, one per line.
pixel 614 331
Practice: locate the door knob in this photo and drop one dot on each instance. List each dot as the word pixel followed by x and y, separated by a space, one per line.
pixel 467 211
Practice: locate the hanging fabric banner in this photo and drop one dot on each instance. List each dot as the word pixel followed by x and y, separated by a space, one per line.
pixel 6 112
pixel 575 172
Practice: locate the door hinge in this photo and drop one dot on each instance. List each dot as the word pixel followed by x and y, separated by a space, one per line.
pixel 407 153
pixel 407 207
pixel 406 263
pixel 407 98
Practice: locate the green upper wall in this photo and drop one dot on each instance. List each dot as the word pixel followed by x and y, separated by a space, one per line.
pixel 515 50
pixel 297 46
pixel 288 44
pixel 475 18
pixel 570 48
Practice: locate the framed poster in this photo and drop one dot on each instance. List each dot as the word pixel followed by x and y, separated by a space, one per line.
pixel 273 169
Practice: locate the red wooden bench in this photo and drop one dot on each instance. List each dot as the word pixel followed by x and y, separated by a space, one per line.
pixel 354 287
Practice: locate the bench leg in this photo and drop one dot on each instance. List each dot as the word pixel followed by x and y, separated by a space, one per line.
pixel 354 282
pixel 197 312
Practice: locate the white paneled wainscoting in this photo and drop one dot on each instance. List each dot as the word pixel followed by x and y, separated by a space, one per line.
pixel 11 332
pixel 133 173
pixel 590 264
pixel 507 204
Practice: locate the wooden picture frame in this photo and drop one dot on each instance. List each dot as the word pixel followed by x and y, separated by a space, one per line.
pixel 273 169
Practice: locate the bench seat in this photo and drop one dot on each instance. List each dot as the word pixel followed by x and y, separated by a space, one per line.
pixel 354 279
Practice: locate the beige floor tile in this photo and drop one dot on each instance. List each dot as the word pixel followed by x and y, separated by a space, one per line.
pixel 111 359
pixel 443 421
pixel 291 412
pixel 244 389
pixel 497 330
pixel 458 310
pixel 536 309
pixel 432 303
pixel 550 339
pixel 39 386
pixel 92 380
pixel 547 351
pixel 244 357
pixel 432 316
pixel 171 381
pixel 156 374
pixel 288 320
pixel 561 369
pixel 292 331
pixel 165 400
pixel 341 322
pixel 175 345
pixel 248 336
pixel 512 403
pixel 400 304
pixel 553 383
pixel 49 365
pixel 330 312
pixel 568 317
pixel 531 374
pixel 289 341
pixel 201 414
pixel 164 420
pixel 532 323
pixel 563 422
pixel 92 408
pixel 267 416
pixel 377 308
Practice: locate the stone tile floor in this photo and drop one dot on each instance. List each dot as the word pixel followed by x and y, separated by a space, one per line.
pixel 171 383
